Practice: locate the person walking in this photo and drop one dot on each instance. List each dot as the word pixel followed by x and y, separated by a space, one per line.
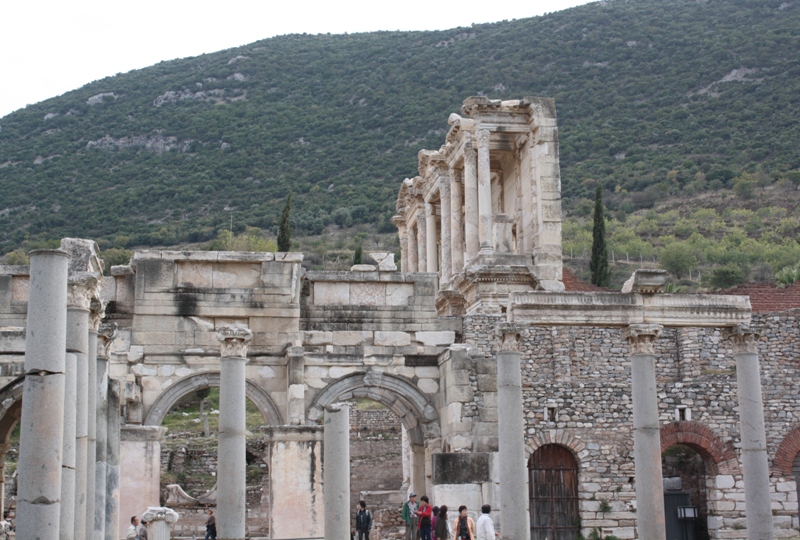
pixel 441 530
pixel 363 521
pixel 141 530
pixel 485 526
pixel 424 514
pixel 434 517
pixel 409 515
pixel 463 526
pixel 211 526
pixel 133 530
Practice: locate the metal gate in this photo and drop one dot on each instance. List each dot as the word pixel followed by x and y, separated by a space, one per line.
pixel 553 493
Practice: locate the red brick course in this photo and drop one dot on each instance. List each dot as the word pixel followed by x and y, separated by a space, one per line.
pixel 768 297
pixel 573 284
pixel 786 453
pixel 720 456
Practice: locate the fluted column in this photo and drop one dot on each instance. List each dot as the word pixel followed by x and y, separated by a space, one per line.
pixel 431 257
pixel 412 257
pixel 446 233
pixel 42 421
pixel 336 472
pixel 422 242
pixel 471 233
pixel 755 468
pixel 511 432
pixel 646 434
pixel 456 225
pixel 159 520
pixel 105 337
pixel 484 193
pixel 231 460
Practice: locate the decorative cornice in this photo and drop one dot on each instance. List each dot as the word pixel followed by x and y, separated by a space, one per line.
pixel 81 288
pixel 106 334
pixel 234 341
pixel 744 340
pixel 642 337
pixel 509 335
pixel 160 513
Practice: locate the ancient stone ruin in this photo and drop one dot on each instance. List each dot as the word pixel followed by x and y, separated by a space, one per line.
pixel 560 409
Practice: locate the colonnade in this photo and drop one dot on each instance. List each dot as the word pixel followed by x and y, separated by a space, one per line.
pixel 650 517
pixel 58 472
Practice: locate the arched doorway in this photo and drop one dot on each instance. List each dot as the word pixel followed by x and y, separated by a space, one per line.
pixel 682 462
pixel 553 493
pixel 10 413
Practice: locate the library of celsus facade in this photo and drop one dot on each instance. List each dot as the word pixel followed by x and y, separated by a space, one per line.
pixel 565 410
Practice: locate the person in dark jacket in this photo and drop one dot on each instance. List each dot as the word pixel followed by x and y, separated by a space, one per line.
pixel 441 532
pixel 363 521
pixel 211 526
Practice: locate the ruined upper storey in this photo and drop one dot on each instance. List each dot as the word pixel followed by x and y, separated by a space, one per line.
pixel 485 210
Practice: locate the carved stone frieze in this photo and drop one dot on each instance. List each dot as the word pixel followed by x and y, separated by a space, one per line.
pixel 160 513
pixel 743 339
pixel 642 337
pixel 509 335
pixel 234 341
pixel 106 334
pixel 483 137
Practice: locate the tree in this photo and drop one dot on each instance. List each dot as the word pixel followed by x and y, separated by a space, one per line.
pixel 601 273
pixel 677 258
pixel 358 255
pixel 284 229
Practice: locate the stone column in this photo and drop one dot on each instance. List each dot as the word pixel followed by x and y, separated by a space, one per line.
pixel 105 337
pixel 91 460
pixel 422 242
pixel 79 296
pixel 402 232
pixel 158 520
pixel 471 227
pixel 412 257
pixel 484 193
pixel 755 468
pixel 231 461
pixel 296 387
pixel 42 420
pixel 112 525
pixel 444 194
pixel 67 517
pixel 431 256
pixel 646 435
pixel 514 522
pixel 418 469
pixel 140 469
pixel 456 225
pixel 336 473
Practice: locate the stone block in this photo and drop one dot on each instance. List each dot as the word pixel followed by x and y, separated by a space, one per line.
pixel 317 338
pixel 463 394
pixel 487 383
pixel 367 294
pixel 326 293
pixel 392 339
pixel 428 386
pixel 433 339
pixel 725 481
pixel 351 338
pixel 460 468
pixel 428 372
pixel 397 294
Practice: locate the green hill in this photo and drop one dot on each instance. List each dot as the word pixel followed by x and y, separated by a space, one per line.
pixel 655 98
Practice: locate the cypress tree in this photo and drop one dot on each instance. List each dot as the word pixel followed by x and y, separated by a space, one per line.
pixel 358 255
pixel 284 229
pixel 601 273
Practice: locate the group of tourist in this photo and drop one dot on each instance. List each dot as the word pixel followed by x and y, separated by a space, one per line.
pixel 138 529
pixel 426 522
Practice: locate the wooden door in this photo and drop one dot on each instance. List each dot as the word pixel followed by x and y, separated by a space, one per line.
pixel 553 488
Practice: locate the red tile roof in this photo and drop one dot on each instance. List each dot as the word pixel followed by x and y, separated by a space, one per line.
pixel 767 297
pixel 573 284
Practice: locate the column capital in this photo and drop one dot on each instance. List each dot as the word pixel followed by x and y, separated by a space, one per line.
pixel 509 335
pixel 642 337
pixel 743 339
pixel 430 209
pixel 97 311
pixel 81 288
pixel 234 341
pixel 160 513
pixel 444 190
pixel 482 135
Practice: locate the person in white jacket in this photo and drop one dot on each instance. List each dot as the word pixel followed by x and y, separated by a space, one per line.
pixel 484 527
pixel 133 530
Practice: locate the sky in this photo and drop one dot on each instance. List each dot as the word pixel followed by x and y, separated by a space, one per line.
pixel 48 47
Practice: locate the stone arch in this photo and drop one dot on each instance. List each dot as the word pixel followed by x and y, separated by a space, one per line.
pixel 559 437
pixel 10 408
pixel 720 457
pixel 192 383
pixel 787 452
pixel 401 396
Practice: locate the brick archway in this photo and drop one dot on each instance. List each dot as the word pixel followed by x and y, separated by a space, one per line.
pixel 787 451
pixel 720 456
pixel 10 415
pixel 561 438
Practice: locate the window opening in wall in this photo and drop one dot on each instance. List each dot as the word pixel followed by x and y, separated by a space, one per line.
pixel 551 414
pixel 553 494
pixel 683 413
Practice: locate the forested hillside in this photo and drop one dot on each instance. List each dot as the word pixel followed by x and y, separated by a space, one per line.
pixel 655 99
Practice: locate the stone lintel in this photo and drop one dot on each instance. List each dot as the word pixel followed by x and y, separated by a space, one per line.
pixel 622 309
pixel 131 432
pixel 292 433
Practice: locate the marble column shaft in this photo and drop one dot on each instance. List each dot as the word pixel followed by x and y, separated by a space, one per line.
pixel 514 521
pixel 755 466
pixel 158 520
pixel 456 225
pixel 413 253
pixel 403 248
pixel 42 421
pixel 106 335
pixel 485 225
pixel 446 233
pixel 422 242
pixel 67 518
pixel 91 441
pixel 471 227
pixel 231 460
pixel 336 473
pixel 78 343
pixel 431 256
pixel 111 528
pixel 650 521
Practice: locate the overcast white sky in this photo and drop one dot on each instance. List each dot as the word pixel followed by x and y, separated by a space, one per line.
pixel 48 47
